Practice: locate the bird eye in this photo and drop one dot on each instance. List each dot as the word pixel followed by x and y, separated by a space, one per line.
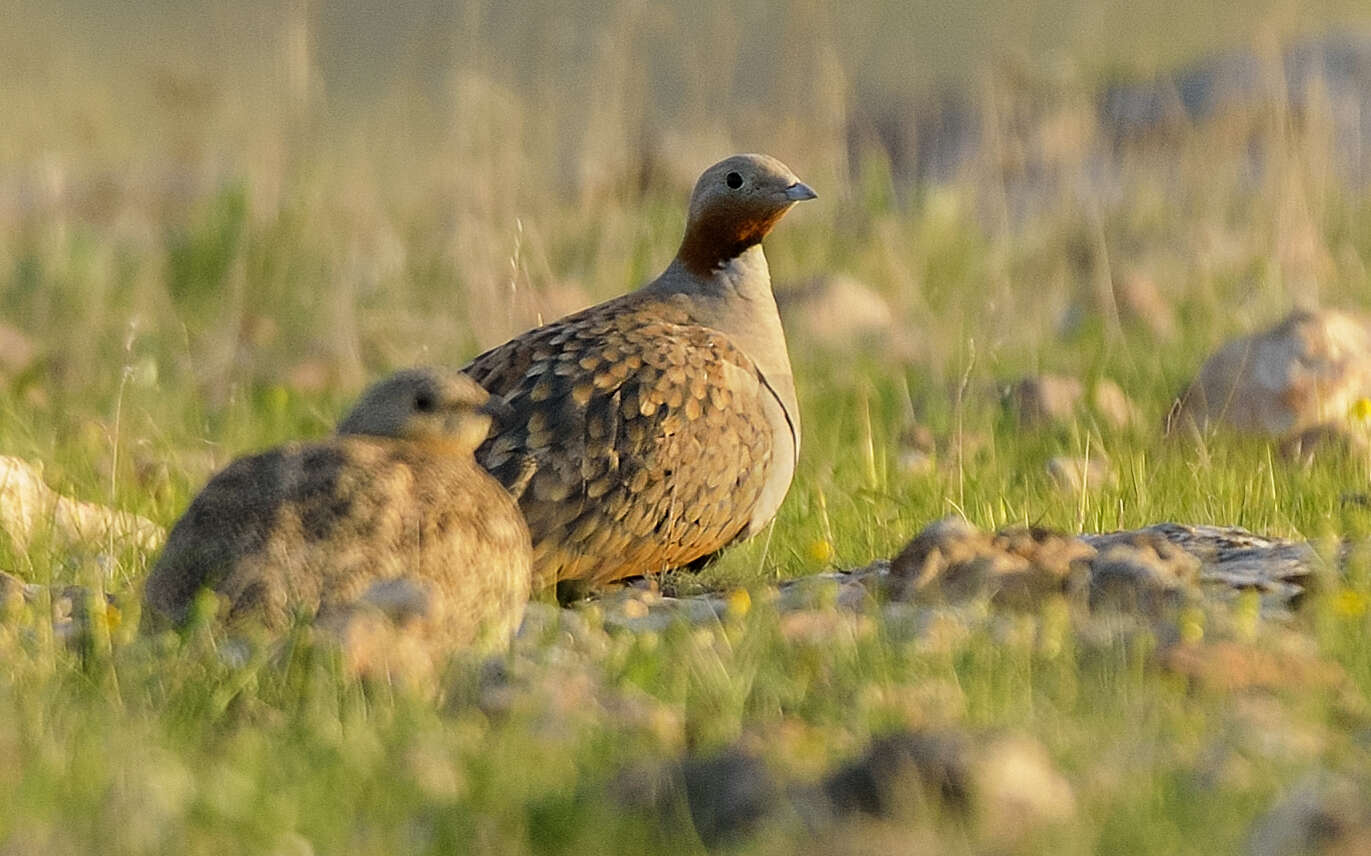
pixel 733 180
pixel 423 402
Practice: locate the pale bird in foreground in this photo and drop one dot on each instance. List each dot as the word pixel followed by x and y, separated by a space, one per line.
pixel 316 529
pixel 654 429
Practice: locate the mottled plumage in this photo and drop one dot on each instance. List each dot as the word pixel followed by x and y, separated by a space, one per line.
pixel 308 528
pixel 656 428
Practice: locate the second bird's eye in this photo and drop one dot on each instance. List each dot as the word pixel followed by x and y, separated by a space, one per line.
pixel 733 180
pixel 423 402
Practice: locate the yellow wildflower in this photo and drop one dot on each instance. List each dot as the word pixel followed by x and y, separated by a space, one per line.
pixel 1192 625
pixel 738 602
pixel 1349 603
pixel 821 551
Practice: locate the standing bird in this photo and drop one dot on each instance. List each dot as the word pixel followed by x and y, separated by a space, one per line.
pixel 396 497
pixel 655 428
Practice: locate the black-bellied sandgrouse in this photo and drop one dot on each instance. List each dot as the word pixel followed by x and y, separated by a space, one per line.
pixel 310 528
pixel 653 429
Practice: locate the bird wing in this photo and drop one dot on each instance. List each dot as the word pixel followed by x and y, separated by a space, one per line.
pixel 256 520
pixel 639 441
pixel 230 517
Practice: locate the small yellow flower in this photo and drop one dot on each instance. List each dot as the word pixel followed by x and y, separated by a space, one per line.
pixel 738 602
pixel 1192 625
pixel 1349 603
pixel 277 399
pixel 647 641
pixel 1361 410
pixel 821 551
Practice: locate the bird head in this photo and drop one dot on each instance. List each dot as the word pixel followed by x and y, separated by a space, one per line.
pixel 734 205
pixel 427 405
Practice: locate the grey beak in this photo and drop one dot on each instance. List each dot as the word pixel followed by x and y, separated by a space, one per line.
pixel 498 408
pixel 799 192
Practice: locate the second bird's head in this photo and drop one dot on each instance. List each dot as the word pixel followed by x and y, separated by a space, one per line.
pixel 428 405
pixel 734 204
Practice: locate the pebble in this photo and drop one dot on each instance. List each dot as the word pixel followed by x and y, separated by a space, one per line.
pixel 1080 474
pixel 1046 398
pixel 1113 405
pixel 1018 789
pixel 902 771
pixel 1323 813
pixel 728 794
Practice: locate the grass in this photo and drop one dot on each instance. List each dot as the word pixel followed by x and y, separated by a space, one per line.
pixel 217 244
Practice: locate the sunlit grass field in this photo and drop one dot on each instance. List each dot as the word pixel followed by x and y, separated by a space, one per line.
pixel 217 226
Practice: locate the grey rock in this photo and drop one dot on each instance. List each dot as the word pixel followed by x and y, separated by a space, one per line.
pixel 1046 398
pixel 947 574
pixel 952 561
pixel 810 592
pixel 1302 376
pixel 728 794
pixel 902 773
pixel 1322 814
pixel 1234 560
pixel 1075 475
pixel 1144 573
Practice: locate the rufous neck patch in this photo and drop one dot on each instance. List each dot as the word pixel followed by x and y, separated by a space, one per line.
pixel 720 236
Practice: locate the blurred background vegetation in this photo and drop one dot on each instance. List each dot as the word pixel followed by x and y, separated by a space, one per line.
pixel 217 222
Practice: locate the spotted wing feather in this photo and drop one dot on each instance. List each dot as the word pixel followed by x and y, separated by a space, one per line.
pixel 639 441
